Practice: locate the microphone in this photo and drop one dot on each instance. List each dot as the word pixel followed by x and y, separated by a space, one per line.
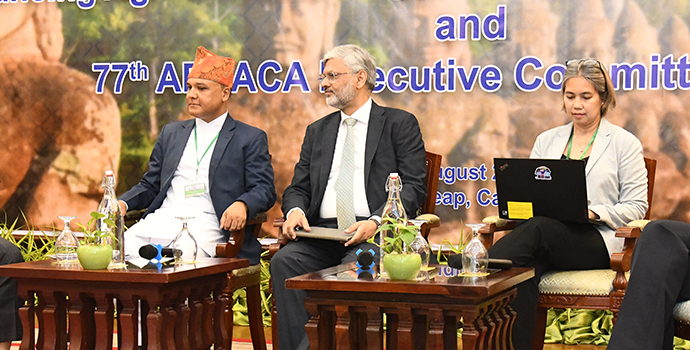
pixel 365 264
pixel 455 261
pixel 150 251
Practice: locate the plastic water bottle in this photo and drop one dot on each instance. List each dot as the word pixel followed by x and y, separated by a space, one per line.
pixel 111 209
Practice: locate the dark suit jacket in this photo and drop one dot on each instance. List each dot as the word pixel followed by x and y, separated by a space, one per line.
pixel 240 170
pixel 394 144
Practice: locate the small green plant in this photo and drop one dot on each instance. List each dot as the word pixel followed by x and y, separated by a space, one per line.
pixel 402 236
pixel 34 245
pixel 442 258
pixel 95 236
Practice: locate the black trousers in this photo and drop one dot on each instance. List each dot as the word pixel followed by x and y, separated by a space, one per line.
pixel 546 244
pixel 659 278
pixel 297 258
pixel 10 302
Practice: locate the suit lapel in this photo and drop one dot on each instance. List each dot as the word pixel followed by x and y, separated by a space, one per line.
pixel 560 143
pixel 226 134
pixel 376 123
pixel 325 141
pixel 177 144
pixel 601 142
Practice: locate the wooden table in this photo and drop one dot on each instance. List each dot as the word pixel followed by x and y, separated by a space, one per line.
pixel 347 311
pixel 182 305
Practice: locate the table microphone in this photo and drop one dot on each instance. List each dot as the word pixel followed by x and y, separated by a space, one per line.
pixel 365 264
pixel 149 251
pixel 455 261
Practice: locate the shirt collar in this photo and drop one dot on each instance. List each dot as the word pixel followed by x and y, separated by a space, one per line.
pixel 362 114
pixel 214 124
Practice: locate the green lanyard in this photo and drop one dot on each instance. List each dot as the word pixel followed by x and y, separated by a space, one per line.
pixel 570 143
pixel 196 149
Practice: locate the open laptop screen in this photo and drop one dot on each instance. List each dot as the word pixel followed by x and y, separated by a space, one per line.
pixel 541 187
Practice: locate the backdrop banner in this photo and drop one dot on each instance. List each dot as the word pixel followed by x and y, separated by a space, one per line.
pixel 86 85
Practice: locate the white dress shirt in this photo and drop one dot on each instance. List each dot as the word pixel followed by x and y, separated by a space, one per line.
pixel 359 191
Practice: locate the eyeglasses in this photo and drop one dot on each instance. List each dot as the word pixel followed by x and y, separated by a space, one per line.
pixel 590 61
pixel 331 76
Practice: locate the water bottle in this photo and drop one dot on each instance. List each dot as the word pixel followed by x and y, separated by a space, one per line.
pixel 393 209
pixel 111 209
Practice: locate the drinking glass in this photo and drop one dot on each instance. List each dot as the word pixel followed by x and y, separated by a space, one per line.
pixel 184 245
pixel 66 244
pixel 420 245
pixel 475 257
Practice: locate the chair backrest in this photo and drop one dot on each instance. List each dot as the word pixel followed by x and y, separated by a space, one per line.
pixel 650 164
pixel 433 169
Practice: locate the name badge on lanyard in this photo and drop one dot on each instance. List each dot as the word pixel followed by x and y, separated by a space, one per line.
pixel 195 190
pixel 198 189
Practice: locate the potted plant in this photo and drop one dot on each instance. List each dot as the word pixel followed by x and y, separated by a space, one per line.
pixel 94 253
pixel 399 261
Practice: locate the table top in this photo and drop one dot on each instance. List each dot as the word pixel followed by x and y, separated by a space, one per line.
pixel 442 281
pixel 50 270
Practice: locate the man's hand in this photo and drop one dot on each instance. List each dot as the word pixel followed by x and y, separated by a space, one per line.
pixel 123 207
pixel 235 217
pixel 295 219
pixel 363 230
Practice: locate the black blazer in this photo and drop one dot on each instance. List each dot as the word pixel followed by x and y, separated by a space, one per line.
pixel 240 170
pixel 394 144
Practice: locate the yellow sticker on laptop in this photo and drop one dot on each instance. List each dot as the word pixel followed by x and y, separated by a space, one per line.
pixel 520 210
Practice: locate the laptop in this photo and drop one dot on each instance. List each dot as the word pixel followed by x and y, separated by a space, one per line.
pixel 541 187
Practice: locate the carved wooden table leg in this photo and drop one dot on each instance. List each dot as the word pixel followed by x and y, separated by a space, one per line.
pixel 374 328
pixel 154 323
pixel 450 329
pixel 361 337
pixel 222 340
pixel 195 321
pixel 181 322
pixel 54 320
pixel 78 321
pixel 435 329
pixel 104 321
pixel 27 316
pixel 169 316
pixel 129 325
pixel 420 319
pixel 207 328
pixel 343 333
pixel 398 328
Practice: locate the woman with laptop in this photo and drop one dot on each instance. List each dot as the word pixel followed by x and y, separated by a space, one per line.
pixel 616 190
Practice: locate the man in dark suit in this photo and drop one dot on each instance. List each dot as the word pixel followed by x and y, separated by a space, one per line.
pixel 385 140
pixel 213 167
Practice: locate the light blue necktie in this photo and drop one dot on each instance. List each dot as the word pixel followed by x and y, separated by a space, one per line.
pixel 344 194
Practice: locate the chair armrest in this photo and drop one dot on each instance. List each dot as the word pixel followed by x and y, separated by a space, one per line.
pixel 274 247
pixel 620 262
pixel 232 247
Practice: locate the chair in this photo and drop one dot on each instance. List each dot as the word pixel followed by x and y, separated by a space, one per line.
pixel 588 289
pixel 426 213
pixel 249 278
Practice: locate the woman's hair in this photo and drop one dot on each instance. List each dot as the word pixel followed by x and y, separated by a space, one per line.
pixel 596 73
pixel 357 59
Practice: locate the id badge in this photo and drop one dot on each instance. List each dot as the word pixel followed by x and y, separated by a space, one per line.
pixel 195 190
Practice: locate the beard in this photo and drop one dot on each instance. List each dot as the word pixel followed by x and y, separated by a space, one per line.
pixel 342 97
